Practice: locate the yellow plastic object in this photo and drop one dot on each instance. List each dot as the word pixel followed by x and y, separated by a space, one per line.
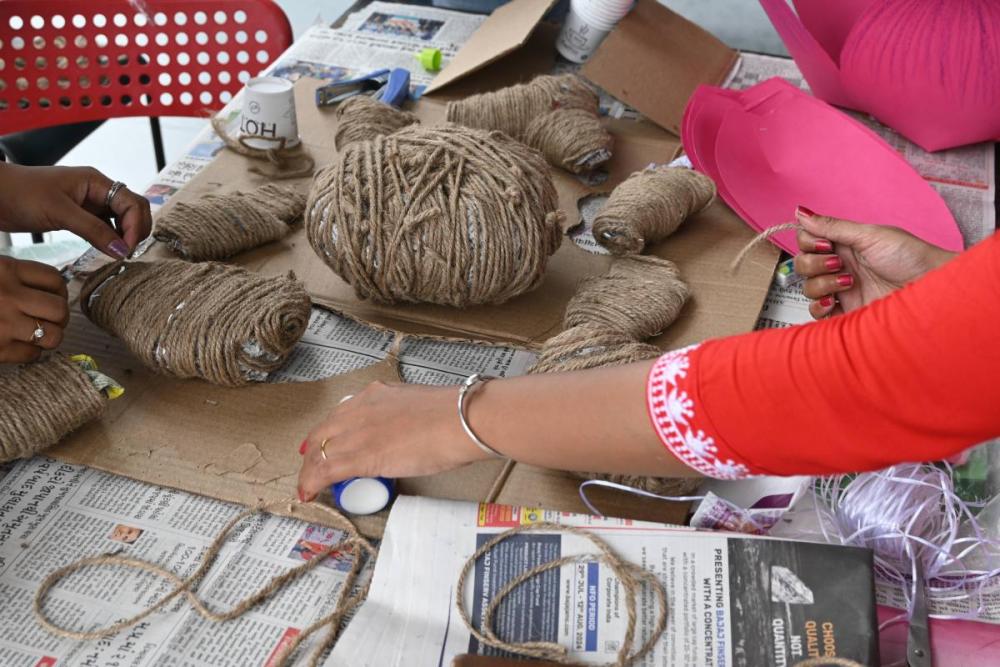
pixel 430 59
pixel 110 387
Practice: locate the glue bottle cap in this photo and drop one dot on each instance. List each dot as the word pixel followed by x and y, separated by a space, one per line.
pixel 430 59
pixel 363 495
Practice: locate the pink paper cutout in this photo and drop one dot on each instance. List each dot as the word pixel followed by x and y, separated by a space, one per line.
pixel 773 147
pixel 930 69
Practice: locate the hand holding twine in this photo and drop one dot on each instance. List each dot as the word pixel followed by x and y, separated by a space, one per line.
pixel 447 215
pixel 220 226
pixel 558 115
pixel 649 206
pixel 211 321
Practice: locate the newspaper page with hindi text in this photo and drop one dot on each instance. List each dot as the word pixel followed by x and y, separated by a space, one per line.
pixel 964 177
pixel 730 599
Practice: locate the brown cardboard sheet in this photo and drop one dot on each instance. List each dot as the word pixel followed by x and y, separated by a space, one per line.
pixel 654 59
pixel 240 445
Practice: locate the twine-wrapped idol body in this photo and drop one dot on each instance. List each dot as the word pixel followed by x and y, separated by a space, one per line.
pixel 42 402
pixel 607 322
pixel 219 226
pixel 211 321
pixel 649 206
pixel 558 115
pixel 445 214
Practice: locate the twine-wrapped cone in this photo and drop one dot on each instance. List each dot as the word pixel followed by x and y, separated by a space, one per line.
pixel 211 321
pixel 42 402
pixel 220 226
pixel 558 115
pixel 607 322
pixel 649 206
pixel 447 215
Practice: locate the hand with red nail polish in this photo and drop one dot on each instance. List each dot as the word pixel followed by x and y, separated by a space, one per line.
pixel 847 265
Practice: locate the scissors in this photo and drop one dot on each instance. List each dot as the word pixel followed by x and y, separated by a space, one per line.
pixel 391 86
pixel 918 640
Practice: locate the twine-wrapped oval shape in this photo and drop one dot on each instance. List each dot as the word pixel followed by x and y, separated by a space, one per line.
pixel 445 214
pixel 220 323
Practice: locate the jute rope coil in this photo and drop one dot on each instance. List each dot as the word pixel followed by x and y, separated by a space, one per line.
pixel 649 206
pixel 352 543
pixel 209 320
pixel 277 163
pixel 362 118
pixel 42 402
pixel 220 226
pixel 634 579
pixel 607 322
pixel 558 115
pixel 447 215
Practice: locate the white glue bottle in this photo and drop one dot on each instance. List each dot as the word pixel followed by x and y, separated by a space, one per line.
pixel 587 24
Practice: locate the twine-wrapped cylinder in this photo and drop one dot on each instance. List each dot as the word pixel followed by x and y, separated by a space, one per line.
pixel 558 115
pixel 40 403
pixel 446 214
pixel 211 321
pixel 649 206
pixel 220 226
pixel 361 118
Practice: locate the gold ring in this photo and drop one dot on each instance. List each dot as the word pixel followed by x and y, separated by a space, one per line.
pixel 322 448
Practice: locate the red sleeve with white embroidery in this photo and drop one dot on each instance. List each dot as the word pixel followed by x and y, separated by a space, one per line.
pixel 911 377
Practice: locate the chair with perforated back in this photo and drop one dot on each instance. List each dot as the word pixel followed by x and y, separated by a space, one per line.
pixel 74 63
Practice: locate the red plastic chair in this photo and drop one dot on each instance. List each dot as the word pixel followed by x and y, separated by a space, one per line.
pixel 70 61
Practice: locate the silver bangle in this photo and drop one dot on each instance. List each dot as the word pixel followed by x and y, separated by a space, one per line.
pixel 471 383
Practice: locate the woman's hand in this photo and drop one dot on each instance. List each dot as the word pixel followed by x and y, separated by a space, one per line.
pixel 44 199
pixel 386 430
pixel 848 265
pixel 31 294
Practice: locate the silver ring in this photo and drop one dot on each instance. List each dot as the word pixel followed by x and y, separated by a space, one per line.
pixel 38 333
pixel 116 187
pixel 346 398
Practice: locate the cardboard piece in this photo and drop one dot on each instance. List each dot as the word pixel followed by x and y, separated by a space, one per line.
pixel 506 30
pixel 702 249
pixel 761 146
pixel 240 445
pixel 654 59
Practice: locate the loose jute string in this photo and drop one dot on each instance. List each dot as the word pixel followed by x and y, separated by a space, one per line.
pixel 446 214
pixel 649 206
pixel 758 240
pixel 42 402
pixel 607 323
pixel 362 118
pixel 209 320
pixel 558 115
pixel 353 542
pixel 220 226
pixel 634 579
pixel 280 162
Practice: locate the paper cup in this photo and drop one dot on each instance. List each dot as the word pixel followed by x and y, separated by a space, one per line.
pixel 587 24
pixel 269 113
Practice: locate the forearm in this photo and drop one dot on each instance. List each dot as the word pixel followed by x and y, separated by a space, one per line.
pixel 586 421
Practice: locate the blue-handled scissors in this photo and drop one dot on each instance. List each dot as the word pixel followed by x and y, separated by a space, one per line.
pixel 391 86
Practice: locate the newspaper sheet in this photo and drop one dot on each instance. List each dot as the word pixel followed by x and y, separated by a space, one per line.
pixel 964 177
pixel 731 600
pixel 53 513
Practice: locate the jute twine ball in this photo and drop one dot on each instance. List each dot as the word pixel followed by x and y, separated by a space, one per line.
pixel 649 206
pixel 42 402
pixel 447 214
pixel 361 118
pixel 212 321
pixel 558 115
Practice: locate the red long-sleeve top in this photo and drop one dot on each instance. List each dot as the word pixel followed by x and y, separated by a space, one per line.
pixel 912 377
